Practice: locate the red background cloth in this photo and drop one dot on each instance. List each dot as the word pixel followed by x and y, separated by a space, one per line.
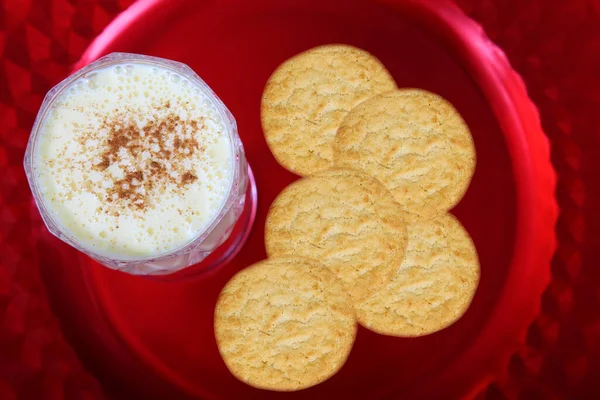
pixel 553 44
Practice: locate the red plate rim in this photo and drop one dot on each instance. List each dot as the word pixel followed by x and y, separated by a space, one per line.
pixel 537 210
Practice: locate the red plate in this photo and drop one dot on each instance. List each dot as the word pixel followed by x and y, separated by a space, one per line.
pixel 148 338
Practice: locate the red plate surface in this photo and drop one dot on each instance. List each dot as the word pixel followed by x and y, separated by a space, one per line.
pixel 156 337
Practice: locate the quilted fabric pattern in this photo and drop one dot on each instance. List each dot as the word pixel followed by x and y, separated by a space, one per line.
pixel 553 44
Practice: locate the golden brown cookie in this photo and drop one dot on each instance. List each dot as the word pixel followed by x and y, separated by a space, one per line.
pixel 284 324
pixel 306 98
pixel 414 142
pixel 345 219
pixel 434 286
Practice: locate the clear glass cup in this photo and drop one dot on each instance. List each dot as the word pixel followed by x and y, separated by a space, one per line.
pixel 207 241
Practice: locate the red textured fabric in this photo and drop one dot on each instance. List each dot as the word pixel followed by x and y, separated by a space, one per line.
pixel 553 44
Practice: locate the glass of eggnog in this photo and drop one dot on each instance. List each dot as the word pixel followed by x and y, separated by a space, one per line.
pixel 134 161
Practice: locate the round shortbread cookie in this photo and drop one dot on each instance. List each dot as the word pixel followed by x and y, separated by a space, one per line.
pixel 414 142
pixel 345 219
pixel 307 97
pixel 284 324
pixel 434 286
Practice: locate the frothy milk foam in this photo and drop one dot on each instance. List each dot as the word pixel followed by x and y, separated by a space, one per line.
pixel 134 160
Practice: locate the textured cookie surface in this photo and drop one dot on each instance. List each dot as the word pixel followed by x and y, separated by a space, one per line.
pixel 284 324
pixel 433 287
pixel 416 143
pixel 345 219
pixel 307 97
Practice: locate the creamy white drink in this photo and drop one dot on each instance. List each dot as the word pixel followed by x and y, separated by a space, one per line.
pixel 133 160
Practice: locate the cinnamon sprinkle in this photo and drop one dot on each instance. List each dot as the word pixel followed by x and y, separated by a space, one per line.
pixel 151 157
pixel 188 178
